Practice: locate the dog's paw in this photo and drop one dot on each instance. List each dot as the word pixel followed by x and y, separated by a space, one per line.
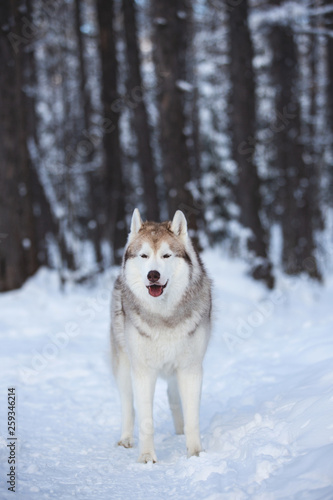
pixel 144 458
pixel 126 442
pixel 195 452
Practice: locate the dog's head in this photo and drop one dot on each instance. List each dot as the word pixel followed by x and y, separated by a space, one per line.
pixel 158 259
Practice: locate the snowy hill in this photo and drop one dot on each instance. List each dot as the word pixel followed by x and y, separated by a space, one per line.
pixel 267 404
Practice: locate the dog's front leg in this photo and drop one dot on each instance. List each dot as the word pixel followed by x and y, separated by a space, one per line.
pixel 144 386
pixel 189 382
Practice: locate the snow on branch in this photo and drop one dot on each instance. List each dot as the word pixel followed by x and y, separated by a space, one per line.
pixel 289 12
pixel 184 86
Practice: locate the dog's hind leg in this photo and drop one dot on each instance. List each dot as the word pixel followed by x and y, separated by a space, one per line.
pixel 175 405
pixel 122 371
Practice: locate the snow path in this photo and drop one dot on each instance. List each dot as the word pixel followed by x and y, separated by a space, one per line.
pixel 267 403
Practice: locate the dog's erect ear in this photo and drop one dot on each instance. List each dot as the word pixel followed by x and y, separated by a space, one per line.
pixel 179 224
pixel 136 223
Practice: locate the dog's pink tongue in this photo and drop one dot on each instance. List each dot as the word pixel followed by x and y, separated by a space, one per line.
pixel 155 290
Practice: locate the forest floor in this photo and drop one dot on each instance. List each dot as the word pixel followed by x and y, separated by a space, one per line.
pixel 267 401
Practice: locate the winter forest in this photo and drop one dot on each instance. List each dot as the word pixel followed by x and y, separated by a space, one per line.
pixel 222 109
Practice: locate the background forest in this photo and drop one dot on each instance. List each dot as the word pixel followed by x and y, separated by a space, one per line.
pixel 223 109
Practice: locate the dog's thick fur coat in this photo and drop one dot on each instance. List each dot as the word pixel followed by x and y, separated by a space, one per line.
pixel 160 325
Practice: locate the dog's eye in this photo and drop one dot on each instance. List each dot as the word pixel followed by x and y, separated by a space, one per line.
pixel 144 256
pixel 166 256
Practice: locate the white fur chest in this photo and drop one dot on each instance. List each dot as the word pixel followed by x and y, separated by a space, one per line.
pixel 164 348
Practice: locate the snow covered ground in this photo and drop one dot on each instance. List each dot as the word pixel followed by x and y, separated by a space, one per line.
pixel 267 403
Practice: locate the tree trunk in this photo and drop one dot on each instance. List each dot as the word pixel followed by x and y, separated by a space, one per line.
pixel 18 239
pixel 170 50
pixel 294 196
pixel 116 222
pixel 140 118
pixel 243 124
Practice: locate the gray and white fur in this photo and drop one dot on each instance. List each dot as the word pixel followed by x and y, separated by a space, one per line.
pixel 160 326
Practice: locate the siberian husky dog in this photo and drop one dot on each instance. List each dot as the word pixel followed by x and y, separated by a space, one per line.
pixel 161 321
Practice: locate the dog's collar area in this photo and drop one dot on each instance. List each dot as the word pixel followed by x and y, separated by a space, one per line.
pixel 156 290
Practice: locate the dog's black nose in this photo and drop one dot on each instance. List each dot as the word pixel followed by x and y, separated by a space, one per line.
pixel 153 276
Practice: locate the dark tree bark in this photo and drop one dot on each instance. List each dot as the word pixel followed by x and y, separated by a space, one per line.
pixel 243 126
pixel 113 159
pixel 140 118
pixel 170 50
pixel 19 246
pixel 296 177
